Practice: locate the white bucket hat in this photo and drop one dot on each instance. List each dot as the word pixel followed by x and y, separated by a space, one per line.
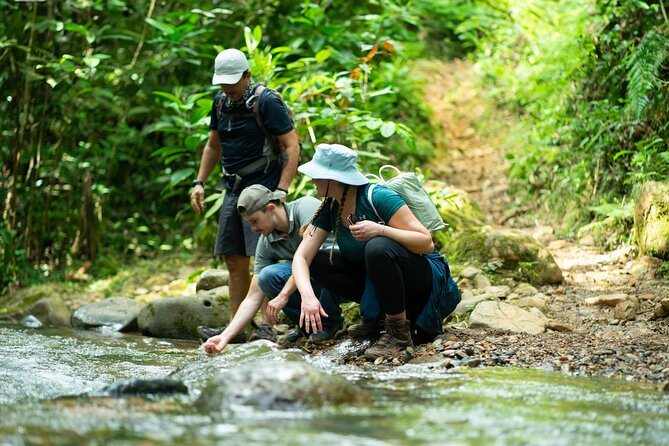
pixel 334 162
pixel 229 66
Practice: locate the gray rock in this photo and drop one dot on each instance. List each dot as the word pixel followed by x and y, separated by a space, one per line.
pixel 469 302
pixel 116 313
pixel 179 317
pixel 31 321
pixel 498 315
pixel 609 300
pixel 627 310
pixel 470 272
pixel 500 291
pixel 271 385
pixel 212 278
pixel 539 301
pixel 525 289
pixel 50 311
pixel 662 309
pixel 481 281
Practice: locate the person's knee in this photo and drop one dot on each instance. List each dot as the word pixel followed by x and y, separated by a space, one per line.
pixel 378 248
pixel 265 278
pixel 272 279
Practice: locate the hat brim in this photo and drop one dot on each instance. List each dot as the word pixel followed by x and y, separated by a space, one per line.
pixel 317 172
pixel 229 79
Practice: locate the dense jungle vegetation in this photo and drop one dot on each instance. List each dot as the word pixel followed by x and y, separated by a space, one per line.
pixel 105 103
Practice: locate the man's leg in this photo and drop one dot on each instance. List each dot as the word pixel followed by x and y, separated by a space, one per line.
pixel 271 281
pixel 240 280
pixel 273 278
pixel 236 242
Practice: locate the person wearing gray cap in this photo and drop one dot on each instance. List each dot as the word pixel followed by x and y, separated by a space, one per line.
pixel 387 260
pixel 280 227
pixel 244 117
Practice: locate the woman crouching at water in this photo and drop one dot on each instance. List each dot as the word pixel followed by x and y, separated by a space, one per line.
pixel 390 266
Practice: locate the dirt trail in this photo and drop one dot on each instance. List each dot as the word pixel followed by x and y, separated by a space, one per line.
pixel 471 156
pixel 595 341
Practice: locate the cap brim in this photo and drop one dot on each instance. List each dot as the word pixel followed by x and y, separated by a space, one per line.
pixel 229 79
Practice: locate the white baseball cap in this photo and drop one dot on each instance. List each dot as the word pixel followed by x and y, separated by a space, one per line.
pixel 229 66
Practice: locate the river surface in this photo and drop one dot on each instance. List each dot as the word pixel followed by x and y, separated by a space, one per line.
pixel 45 372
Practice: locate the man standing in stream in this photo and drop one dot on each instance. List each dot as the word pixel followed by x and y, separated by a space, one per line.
pixel 245 118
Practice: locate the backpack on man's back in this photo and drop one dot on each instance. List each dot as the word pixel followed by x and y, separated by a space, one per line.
pixel 273 150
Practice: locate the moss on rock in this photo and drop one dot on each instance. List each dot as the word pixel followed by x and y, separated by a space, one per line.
pixel 505 252
pixel 651 220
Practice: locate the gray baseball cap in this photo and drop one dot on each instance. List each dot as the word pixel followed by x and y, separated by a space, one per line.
pixel 255 197
pixel 229 66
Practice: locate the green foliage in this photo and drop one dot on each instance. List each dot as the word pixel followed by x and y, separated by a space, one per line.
pixel 106 107
pixel 643 70
pixel 612 223
pixel 589 80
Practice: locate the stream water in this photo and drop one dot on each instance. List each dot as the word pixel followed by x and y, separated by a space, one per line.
pixel 45 372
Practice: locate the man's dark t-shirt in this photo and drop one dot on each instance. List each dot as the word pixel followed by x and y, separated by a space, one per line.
pixel 242 139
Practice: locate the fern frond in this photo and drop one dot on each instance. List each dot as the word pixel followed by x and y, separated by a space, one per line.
pixel 643 68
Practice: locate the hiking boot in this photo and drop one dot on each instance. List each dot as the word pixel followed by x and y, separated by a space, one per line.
pixel 325 335
pixel 366 329
pixel 396 338
pixel 205 333
pixel 292 337
pixel 264 331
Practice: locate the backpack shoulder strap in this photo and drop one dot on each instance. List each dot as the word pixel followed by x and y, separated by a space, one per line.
pixel 370 189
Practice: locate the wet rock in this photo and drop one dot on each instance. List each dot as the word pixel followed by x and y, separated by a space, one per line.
pixel 212 278
pixel 498 315
pixel 268 385
pixel 49 311
pixel 31 321
pixel 609 300
pixel 179 317
pixel 116 313
pixel 143 387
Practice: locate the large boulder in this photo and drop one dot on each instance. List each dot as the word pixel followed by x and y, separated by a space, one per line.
pixel 50 311
pixel 271 385
pixel 115 313
pixel 651 220
pixel 508 252
pixel 179 317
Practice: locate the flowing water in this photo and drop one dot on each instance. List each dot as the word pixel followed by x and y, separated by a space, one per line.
pixel 45 374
